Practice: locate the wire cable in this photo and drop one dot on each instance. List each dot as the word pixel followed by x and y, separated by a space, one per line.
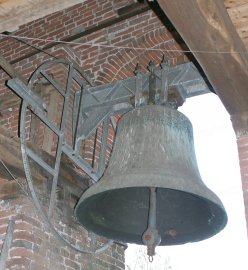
pixel 92 44
pixel 14 178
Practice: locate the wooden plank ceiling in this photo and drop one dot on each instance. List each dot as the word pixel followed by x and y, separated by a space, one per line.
pixel 238 11
pixel 14 13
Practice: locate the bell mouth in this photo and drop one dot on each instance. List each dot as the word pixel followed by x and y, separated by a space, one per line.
pixel 122 215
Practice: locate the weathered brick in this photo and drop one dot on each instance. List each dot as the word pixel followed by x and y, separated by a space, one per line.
pixel 36 266
pixel 20 262
pixel 72 264
pixel 22 243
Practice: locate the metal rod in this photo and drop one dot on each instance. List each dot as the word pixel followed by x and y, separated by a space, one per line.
pixel 23 91
pixel 104 141
pixel 60 143
pixel 152 84
pixel 76 116
pixel 151 238
pixel 15 179
pixel 54 83
pixel 152 221
pixel 113 123
pixel 39 161
pixel 81 163
pixel 45 120
pixel 6 244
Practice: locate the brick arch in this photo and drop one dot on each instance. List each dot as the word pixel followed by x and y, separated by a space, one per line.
pixel 68 53
pixel 121 63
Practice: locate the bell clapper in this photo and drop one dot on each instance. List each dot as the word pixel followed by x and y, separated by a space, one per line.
pixel 151 237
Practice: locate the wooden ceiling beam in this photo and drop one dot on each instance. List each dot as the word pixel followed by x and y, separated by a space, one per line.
pixel 206 28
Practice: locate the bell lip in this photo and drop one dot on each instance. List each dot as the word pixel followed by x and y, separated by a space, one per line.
pixel 218 202
pixel 220 207
pixel 200 189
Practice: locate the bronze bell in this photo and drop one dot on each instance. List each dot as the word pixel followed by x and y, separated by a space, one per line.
pixel 154 148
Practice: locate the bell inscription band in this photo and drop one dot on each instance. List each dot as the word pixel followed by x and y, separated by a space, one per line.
pixel 153 159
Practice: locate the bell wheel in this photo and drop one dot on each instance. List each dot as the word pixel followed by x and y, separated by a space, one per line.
pixel 48 128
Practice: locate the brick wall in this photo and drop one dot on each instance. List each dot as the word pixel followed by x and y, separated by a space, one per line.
pixel 243 157
pixel 33 246
pixel 240 125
